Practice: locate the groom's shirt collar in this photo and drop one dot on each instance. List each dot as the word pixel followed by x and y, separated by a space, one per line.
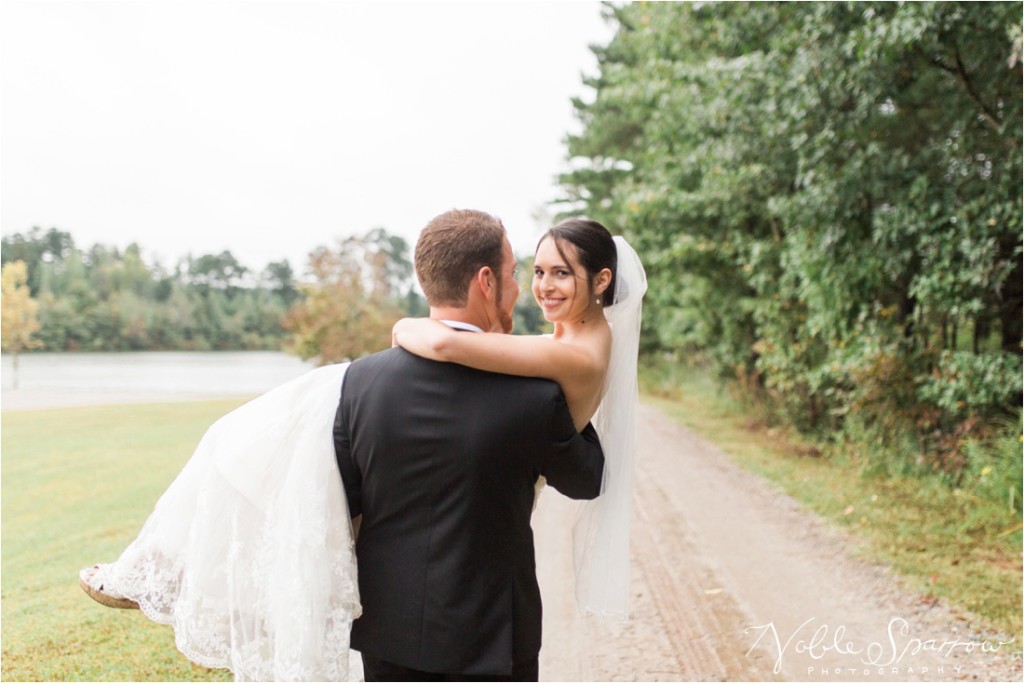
pixel 459 325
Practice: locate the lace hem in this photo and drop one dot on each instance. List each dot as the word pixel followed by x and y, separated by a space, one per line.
pixel 249 554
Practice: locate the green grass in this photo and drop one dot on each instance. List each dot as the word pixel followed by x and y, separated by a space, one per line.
pixel 77 485
pixel 945 542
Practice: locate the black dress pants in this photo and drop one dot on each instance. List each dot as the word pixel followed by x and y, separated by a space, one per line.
pixel 378 670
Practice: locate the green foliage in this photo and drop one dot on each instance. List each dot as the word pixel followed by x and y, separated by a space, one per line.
pixel 965 383
pixel 996 469
pixel 103 299
pixel 527 316
pixel 826 197
pixel 106 300
pixel 358 292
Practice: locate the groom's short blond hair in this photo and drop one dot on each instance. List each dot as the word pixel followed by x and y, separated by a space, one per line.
pixel 452 249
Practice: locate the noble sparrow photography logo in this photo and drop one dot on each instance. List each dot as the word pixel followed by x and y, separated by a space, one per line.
pixel 898 652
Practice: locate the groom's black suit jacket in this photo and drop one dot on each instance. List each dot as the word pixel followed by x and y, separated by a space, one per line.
pixel 441 460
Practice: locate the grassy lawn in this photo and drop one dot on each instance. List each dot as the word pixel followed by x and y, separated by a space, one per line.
pixel 77 485
pixel 946 543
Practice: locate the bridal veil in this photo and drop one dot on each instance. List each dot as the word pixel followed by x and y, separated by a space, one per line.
pixel 601 533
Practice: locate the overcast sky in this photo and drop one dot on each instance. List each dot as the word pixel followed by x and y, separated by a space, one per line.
pixel 272 127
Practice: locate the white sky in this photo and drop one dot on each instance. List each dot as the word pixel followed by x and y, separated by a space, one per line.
pixel 271 127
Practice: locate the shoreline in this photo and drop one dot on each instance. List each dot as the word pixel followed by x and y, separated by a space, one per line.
pixel 65 380
pixel 17 400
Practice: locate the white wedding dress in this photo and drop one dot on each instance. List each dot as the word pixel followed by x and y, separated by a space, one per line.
pixel 249 553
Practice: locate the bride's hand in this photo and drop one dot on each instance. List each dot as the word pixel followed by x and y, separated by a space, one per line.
pixel 423 337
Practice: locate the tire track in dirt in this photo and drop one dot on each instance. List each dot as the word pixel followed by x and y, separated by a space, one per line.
pixel 699 617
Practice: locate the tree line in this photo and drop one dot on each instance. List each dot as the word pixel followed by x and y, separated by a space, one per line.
pixel 827 198
pixel 107 299
pixel 59 297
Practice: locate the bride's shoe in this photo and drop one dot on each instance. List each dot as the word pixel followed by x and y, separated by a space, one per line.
pixel 92 580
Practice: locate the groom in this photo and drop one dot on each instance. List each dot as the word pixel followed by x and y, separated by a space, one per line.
pixel 439 461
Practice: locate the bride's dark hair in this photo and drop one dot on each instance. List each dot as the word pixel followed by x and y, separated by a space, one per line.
pixel 595 249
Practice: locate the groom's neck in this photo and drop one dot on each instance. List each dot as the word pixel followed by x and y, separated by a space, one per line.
pixel 463 315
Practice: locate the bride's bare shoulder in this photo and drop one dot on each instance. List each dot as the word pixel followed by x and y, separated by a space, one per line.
pixel 600 338
pixel 596 342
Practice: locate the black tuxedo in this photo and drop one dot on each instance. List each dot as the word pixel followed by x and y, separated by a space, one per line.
pixel 441 462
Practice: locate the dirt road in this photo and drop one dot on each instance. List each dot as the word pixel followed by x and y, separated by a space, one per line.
pixel 733 580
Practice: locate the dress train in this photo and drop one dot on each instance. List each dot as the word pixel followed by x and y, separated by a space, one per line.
pixel 249 553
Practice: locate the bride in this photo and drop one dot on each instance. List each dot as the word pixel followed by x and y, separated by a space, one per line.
pixel 249 554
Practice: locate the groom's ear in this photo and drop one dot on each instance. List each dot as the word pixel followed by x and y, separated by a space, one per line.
pixel 486 280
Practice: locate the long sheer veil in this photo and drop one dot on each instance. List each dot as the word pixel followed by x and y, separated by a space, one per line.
pixel 601 533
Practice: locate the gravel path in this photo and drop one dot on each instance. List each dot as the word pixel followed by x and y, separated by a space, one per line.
pixel 734 580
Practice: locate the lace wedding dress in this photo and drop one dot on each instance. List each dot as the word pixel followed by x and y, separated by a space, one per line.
pixel 249 553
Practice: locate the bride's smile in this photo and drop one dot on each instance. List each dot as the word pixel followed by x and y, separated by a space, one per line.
pixel 551 302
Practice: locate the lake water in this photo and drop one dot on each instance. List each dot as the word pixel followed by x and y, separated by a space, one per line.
pixel 75 378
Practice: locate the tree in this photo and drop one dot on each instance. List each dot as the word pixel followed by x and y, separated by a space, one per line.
pixel 826 197
pixel 216 271
pixel 279 278
pixel 527 316
pixel 37 249
pixel 18 313
pixel 107 299
pixel 355 298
